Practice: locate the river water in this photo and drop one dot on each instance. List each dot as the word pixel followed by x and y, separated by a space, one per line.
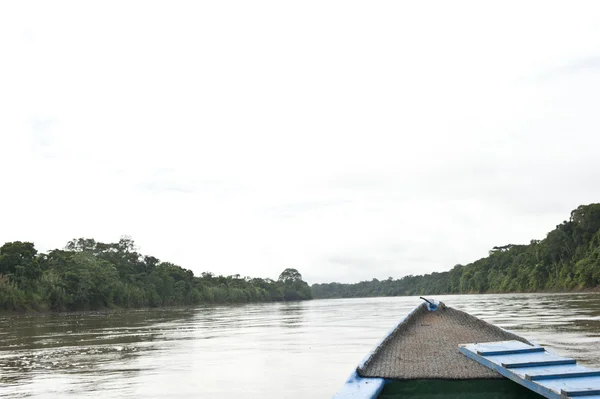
pixel 275 350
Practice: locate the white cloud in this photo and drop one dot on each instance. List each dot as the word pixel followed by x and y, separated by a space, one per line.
pixel 348 139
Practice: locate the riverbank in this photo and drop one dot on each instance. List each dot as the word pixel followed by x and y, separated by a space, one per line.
pixel 567 260
pixel 90 275
pixel 562 291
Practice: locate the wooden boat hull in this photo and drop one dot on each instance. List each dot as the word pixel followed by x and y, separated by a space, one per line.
pixel 414 361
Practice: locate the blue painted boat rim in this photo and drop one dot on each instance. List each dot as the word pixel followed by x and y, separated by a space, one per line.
pixel 357 387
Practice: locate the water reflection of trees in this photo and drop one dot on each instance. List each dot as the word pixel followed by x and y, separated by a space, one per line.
pixel 82 342
pixel 291 314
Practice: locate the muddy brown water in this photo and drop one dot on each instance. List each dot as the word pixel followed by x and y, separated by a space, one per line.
pixel 276 350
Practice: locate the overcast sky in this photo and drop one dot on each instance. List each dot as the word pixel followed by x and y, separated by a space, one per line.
pixel 347 139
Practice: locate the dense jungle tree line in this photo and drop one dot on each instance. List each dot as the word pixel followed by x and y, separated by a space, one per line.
pixel 88 275
pixel 567 259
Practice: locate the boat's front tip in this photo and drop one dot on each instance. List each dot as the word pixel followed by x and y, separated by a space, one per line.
pixel 432 304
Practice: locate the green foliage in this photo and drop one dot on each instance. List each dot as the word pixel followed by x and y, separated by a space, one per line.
pixel 294 288
pixel 11 297
pixel 18 261
pixel 92 275
pixel 567 259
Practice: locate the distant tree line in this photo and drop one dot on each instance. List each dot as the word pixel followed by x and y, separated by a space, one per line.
pixel 88 275
pixel 567 259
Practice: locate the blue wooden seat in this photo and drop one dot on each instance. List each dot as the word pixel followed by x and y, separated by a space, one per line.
pixel 537 369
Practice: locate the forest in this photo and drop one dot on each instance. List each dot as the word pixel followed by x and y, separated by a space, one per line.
pixel 91 275
pixel 567 259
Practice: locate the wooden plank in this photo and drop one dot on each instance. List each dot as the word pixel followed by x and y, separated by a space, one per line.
pixel 577 374
pixel 585 385
pixel 549 375
pixel 581 392
pixel 511 351
pixel 535 363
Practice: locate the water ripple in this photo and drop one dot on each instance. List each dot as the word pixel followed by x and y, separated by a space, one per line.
pixel 294 350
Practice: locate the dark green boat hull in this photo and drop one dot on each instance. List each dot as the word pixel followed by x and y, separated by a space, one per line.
pixel 456 389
